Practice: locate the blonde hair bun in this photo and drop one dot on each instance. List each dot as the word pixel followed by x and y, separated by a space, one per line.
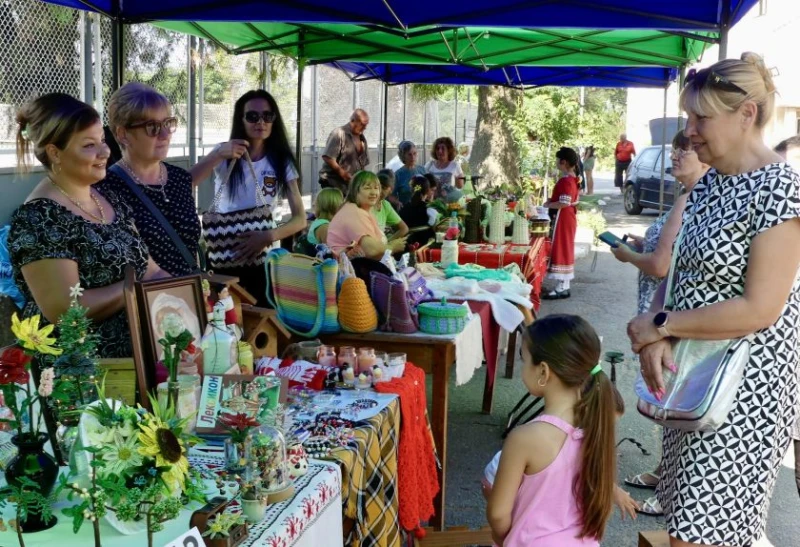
pixel 758 61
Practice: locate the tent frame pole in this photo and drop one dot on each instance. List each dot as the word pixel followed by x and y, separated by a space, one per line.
pixel 192 101
pixel 724 28
pixel 117 54
pixel 663 152
pixel 385 117
pixel 298 147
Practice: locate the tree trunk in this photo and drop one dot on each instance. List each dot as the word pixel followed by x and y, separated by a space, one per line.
pixel 495 155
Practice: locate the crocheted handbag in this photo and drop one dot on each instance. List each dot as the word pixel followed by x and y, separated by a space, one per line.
pixel 442 317
pixel 356 311
pixel 391 299
pixel 221 231
pixel 302 290
pixel 418 290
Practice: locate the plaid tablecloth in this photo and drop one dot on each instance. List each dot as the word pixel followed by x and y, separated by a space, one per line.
pixel 369 482
pixel 531 259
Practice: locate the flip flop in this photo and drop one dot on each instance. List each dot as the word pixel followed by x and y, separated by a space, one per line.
pixel 636 481
pixel 651 508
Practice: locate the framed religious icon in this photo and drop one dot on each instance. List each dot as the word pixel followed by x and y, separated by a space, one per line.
pixel 155 300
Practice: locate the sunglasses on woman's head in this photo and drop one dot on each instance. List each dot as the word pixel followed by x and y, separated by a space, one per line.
pixel 152 128
pixel 251 116
pixel 699 78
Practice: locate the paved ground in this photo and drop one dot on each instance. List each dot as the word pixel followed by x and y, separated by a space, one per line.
pixel 607 298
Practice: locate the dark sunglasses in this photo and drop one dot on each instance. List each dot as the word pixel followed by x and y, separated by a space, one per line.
pixel 153 128
pixel 251 116
pixel 707 76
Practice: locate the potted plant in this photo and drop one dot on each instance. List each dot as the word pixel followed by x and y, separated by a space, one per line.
pixel 254 500
pixel 225 530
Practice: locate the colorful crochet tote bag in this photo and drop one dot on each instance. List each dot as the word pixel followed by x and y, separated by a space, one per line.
pixel 302 290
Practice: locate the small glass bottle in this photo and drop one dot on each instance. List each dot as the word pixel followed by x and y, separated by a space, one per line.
pixel 326 356
pixel 366 359
pixel 347 355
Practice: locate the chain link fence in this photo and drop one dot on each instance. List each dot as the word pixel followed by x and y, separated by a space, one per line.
pixel 47 48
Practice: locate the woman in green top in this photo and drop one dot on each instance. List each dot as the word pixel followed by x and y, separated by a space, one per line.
pixel 383 211
pixel 588 167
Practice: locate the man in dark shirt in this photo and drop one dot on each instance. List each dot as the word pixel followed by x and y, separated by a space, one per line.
pixel 346 153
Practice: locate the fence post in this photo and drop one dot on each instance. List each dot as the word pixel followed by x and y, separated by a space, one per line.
pixel 99 102
pixel 117 54
pixel 201 94
pixel 191 103
pixel 405 109
pixel 314 126
pixel 85 48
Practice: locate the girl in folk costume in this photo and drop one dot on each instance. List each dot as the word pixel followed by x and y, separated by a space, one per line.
pixel 564 201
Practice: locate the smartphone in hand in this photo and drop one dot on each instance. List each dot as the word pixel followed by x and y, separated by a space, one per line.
pixel 614 241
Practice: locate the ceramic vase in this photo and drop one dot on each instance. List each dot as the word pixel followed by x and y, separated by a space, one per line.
pixel 254 510
pixel 36 465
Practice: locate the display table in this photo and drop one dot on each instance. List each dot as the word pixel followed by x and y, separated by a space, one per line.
pixel 310 518
pixel 531 259
pixel 436 355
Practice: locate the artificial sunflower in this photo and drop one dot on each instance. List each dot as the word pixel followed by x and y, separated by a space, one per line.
pixel 32 337
pixel 165 446
pixel 121 454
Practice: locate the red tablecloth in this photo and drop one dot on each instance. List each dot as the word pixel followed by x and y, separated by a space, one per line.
pixel 531 259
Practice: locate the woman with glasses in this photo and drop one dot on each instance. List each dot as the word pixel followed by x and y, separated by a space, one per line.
pixel 735 276
pixel 258 127
pixel 66 233
pixel 142 122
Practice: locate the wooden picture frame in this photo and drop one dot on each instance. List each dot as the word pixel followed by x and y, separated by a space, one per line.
pixel 135 327
pixel 181 295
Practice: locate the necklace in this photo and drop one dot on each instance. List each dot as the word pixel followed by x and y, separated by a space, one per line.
pixel 162 179
pixel 101 219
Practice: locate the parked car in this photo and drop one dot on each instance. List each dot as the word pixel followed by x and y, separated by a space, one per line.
pixel 643 181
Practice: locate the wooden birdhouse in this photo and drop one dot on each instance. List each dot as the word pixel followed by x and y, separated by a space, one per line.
pixel 263 331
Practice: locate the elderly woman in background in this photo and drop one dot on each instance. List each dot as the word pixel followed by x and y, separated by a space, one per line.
pixel 407 151
pixel 446 169
pixel 142 122
pixel 735 276
pixel 354 229
pixel 653 257
pixel 67 233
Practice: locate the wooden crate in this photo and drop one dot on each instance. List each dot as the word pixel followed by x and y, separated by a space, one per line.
pixel 654 538
pixel 120 377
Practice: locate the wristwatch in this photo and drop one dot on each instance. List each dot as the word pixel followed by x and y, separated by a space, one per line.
pixel 660 321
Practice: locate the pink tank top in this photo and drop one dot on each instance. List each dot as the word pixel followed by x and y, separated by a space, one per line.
pixel 545 511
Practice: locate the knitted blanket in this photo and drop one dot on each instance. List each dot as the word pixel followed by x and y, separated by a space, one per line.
pixel 418 481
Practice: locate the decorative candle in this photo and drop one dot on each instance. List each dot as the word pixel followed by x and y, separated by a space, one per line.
pixel 326 356
pixel 366 359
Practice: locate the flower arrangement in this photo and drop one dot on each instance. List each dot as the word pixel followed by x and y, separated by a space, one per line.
pixel 452 234
pixel 27 499
pixel 15 365
pixel 238 425
pixel 138 463
pixel 221 524
pixel 175 341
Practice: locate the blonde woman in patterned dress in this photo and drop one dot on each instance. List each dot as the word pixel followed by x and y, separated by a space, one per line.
pixel 735 276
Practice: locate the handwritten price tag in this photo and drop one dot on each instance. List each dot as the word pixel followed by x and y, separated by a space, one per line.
pixel 192 538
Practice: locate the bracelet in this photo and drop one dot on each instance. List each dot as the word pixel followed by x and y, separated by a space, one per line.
pixel 362 404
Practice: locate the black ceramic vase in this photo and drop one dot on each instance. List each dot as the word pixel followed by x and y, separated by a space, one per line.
pixel 33 463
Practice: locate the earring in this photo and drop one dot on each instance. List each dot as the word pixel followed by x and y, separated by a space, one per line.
pixel 539 383
pixel 56 168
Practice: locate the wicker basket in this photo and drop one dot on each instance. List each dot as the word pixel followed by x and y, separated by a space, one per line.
pixel 442 317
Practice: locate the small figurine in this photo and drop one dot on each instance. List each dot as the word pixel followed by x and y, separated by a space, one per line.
pixel 348 374
pixel 231 320
pixel 363 378
pixel 377 373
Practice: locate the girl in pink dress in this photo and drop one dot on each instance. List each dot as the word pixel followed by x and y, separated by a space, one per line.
pixel 555 482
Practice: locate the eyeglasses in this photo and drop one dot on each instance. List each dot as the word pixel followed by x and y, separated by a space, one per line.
pixel 251 116
pixel 152 128
pixel 707 76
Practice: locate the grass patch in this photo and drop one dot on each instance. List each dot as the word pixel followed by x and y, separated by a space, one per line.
pixel 587 203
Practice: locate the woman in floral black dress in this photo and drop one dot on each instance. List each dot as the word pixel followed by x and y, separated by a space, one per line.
pixel 66 233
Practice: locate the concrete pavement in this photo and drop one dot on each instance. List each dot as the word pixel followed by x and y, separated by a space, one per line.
pixel 606 297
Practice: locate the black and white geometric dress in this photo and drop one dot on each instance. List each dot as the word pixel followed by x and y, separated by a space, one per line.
pixel 716 485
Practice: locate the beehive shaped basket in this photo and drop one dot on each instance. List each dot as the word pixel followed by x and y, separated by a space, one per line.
pixel 356 311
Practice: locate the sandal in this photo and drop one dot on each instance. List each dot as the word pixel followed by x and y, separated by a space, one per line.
pixel 651 508
pixel 637 481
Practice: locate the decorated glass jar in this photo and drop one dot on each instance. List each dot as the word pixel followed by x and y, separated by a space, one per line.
pixel 269 456
pixel 347 355
pixel 366 359
pixel 218 345
pixel 326 356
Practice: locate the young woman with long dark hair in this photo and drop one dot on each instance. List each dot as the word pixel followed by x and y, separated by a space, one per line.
pixel 258 127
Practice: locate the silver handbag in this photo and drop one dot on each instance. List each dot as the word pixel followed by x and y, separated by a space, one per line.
pixel 700 395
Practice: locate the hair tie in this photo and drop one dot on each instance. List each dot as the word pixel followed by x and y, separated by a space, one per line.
pixel 417 188
pixel 597 368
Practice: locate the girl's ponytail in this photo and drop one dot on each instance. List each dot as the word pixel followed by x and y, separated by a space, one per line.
pixel 594 488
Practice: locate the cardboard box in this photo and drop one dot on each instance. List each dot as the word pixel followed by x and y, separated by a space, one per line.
pixel 654 538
